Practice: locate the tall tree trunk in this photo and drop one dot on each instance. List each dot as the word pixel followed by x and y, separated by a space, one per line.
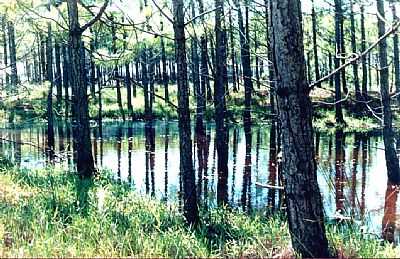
pixel 396 55
pixel 185 142
pixel 220 105
pixel 50 116
pixel 165 78
pixel 338 43
pixel 315 46
pixel 392 161
pixel 232 48
pixel 58 79
pixel 116 73
pixel 304 203
pixel 145 82
pixel 196 72
pixel 151 82
pixel 364 82
pixel 65 79
pixel 246 65
pixel 5 50
pixel 80 125
pixel 256 46
pixel 128 82
pixel 13 55
pixel 354 50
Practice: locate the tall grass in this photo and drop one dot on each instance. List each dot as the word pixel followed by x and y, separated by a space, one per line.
pixel 53 213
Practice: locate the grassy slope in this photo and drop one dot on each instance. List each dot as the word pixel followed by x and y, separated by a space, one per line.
pixel 40 216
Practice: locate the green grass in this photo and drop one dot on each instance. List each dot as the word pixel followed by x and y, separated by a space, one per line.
pixel 53 213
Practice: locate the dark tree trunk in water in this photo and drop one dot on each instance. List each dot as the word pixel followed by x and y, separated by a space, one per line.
pixel 13 56
pixel 303 198
pixel 363 59
pixel 396 56
pixel 338 43
pixel 185 142
pixel 58 81
pixel 80 124
pixel 392 161
pixel 50 119
pixel 315 46
pixel 246 65
pixel 220 105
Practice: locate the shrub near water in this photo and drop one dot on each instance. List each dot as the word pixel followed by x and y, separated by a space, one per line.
pixel 53 213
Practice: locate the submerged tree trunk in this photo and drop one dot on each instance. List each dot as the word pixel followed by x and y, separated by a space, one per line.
pixel 220 105
pixel 185 142
pixel 304 203
pixel 392 161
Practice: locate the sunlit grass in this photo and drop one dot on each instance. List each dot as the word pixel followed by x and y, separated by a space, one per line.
pixel 52 213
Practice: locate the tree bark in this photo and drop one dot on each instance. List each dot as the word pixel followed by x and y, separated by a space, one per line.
pixel 354 50
pixel 364 82
pixel 220 104
pixel 396 61
pixel 80 124
pixel 392 161
pixel 338 41
pixel 13 55
pixel 304 203
pixel 185 142
pixel 315 46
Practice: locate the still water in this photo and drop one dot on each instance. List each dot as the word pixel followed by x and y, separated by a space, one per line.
pixel 351 167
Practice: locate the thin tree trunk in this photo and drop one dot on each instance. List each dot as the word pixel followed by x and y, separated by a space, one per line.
pixel 13 55
pixel 396 61
pixel 58 79
pixel 50 119
pixel 165 78
pixel 232 48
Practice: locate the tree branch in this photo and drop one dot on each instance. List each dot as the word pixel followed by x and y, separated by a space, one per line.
pixel 96 18
pixel 356 57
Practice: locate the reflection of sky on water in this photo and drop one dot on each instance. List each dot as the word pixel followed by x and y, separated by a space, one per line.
pixel 375 181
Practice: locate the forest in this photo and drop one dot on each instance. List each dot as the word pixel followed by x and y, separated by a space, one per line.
pixel 199 128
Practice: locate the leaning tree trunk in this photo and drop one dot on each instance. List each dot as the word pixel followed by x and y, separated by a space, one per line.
pixel 392 161
pixel 304 203
pixel 185 142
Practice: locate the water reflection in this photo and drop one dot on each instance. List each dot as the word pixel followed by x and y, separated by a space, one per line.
pixel 351 167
